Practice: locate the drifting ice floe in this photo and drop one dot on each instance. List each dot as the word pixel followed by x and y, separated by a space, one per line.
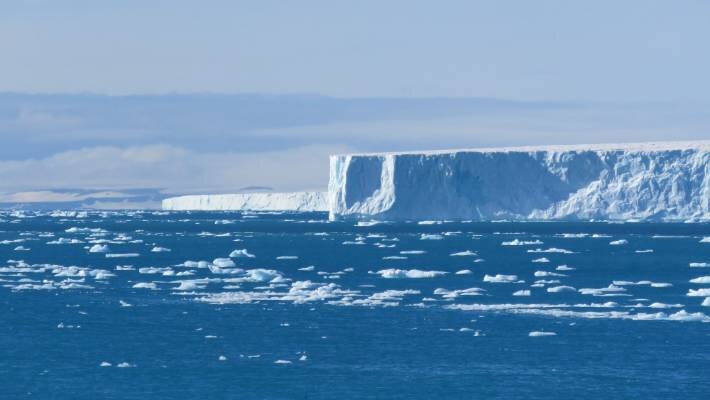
pixel 241 253
pixel 498 278
pixel 701 279
pixel 464 254
pixel 393 273
pixel 98 248
pixel 541 334
pixel 619 242
pixel 518 242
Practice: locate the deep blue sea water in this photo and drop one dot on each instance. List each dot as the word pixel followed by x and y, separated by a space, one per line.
pixel 350 312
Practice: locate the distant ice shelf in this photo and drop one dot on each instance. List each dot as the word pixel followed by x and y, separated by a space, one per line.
pixel 294 201
pixel 666 181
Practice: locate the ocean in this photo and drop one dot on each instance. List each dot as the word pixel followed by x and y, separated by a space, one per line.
pixel 186 305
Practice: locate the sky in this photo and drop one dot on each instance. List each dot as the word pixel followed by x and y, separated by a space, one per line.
pixel 169 97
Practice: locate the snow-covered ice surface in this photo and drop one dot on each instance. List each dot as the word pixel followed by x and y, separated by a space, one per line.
pixel 647 181
pixel 270 305
pixel 293 201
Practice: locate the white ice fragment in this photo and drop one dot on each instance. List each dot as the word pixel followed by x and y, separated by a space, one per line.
pixel 241 253
pixel 541 334
pixel 498 278
pixel 465 253
pixel 158 249
pixel 701 279
pixel 559 289
pixel 145 285
pixel 393 273
pixel 518 242
pixel 99 248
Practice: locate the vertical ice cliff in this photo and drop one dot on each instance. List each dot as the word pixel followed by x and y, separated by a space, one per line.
pixel 295 201
pixel 646 181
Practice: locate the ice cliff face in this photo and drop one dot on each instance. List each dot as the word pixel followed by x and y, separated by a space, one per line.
pixel 296 201
pixel 650 181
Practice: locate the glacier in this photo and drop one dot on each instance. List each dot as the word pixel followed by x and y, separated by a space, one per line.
pixel 664 181
pixel 293 201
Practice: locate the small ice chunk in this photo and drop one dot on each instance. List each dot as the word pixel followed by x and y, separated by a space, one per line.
pixel 146 285
pixel 158 249
pixel 541 333
pixel 224 263
pixel 518 242
pixel 560 289
pixel 704 292
pixel 393 273
pixel 99 248
pixel 498 278
pixel 701 279
pixel 241 253
pixel 122 255
pixel 466 253
pixel 619 242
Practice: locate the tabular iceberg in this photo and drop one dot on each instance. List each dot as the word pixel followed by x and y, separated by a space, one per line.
pixel 645 181
pixel 295 201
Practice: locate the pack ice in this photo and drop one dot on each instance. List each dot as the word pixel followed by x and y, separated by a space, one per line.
pixel 642 181
pixel 294 201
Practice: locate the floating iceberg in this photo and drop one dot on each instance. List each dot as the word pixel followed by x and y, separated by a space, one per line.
pixel 648 181
pixel 295 201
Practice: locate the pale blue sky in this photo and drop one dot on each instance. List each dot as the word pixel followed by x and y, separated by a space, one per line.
pixel 590 50
pixel 212 96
